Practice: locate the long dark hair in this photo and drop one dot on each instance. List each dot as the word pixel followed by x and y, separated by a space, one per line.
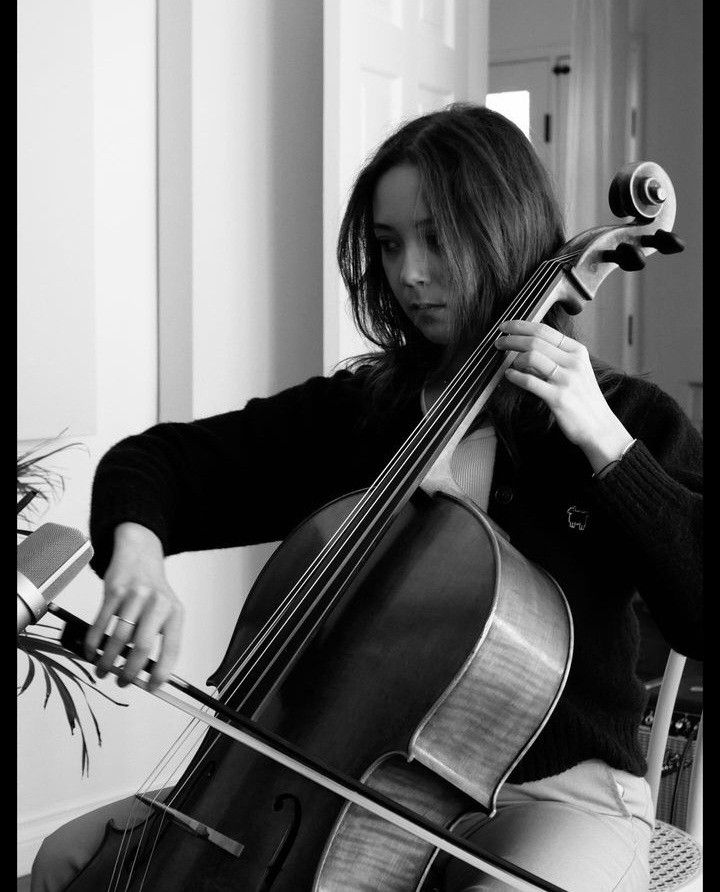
pixel 496 219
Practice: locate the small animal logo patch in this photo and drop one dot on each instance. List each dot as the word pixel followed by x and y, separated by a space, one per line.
pixel 578 518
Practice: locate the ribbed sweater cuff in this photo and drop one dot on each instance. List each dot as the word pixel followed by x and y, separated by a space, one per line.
pixel 127 507
pixel 637 489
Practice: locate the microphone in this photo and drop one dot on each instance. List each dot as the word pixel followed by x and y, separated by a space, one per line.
pixel 47 561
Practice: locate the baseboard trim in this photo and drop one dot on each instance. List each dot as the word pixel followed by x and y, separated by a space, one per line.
pixel 33 830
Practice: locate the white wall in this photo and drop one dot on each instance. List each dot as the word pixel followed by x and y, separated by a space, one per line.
pixel 55 218
pixel 256 196
pixel 119 128
pixel 519 25
pixel 672 126
pixel 255 327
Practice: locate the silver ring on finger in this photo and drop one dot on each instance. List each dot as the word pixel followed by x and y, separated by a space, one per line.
pixel 553 373
pixel 128 622
pixel 560 343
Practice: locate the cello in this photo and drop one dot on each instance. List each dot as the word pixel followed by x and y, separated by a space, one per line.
pixel 388 631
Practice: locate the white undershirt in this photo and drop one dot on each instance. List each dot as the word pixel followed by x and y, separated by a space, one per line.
pixel 472 462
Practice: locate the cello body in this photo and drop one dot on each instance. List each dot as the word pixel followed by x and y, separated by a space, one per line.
pixel 429 680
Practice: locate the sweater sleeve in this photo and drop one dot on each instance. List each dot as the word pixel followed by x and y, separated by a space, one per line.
pixel 654 496
pixel 237 478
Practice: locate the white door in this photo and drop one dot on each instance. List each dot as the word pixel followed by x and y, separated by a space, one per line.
pixel 532 92
pixel 385 61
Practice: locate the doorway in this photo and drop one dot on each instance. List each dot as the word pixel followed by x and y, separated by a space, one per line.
pixel 533 93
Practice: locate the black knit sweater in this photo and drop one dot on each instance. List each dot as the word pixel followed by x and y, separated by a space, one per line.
pixel 251 475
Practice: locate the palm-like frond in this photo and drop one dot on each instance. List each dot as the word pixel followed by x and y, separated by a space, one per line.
pixel 48 654
pixel 33 477
pixel 60 668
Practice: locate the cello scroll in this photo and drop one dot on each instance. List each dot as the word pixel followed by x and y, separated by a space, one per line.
pixel 643 191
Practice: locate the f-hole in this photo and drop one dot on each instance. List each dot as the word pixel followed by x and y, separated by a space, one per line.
pixel 287 841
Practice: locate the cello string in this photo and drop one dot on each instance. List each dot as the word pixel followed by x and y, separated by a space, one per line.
pixel 174 795
pixel 183 739
pixel 190 744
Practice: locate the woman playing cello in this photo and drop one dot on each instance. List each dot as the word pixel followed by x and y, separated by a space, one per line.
pixel 593 474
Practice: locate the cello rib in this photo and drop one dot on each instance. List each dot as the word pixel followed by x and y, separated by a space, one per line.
pixel 509 684
pixel 379 855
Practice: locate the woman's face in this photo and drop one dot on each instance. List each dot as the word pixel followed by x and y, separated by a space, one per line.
pixel 410 255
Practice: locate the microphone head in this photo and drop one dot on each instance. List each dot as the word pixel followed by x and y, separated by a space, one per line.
pixel 47 561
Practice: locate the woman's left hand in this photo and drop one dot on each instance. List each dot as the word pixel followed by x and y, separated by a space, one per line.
pixel 557 369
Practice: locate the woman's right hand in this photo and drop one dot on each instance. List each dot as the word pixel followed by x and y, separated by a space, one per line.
pixel 138 594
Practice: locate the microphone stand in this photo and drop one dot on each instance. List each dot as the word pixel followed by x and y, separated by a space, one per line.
pixel 249 733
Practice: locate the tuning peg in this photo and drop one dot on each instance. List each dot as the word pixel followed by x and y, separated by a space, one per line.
pixel 626 256
pixel 663 241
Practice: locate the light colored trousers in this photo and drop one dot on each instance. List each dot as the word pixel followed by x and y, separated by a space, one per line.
pixel 586 830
